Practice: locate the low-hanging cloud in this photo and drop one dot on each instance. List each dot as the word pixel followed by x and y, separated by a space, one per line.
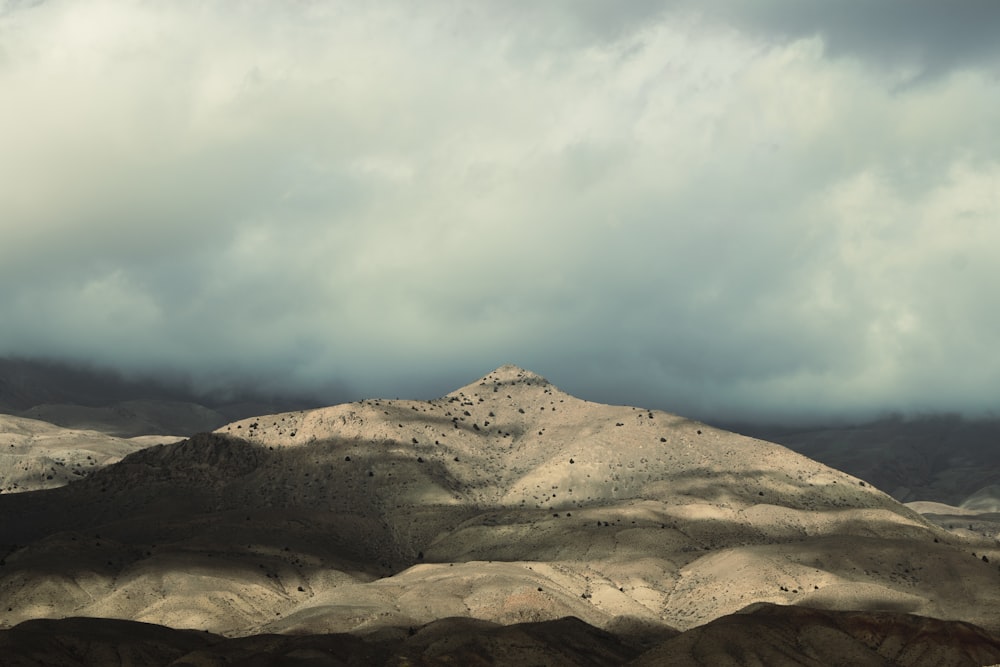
pixel 677 209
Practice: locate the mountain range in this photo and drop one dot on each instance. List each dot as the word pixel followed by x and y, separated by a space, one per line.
pixel 506 522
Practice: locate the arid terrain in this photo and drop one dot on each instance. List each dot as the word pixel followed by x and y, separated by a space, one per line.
pixel 504 523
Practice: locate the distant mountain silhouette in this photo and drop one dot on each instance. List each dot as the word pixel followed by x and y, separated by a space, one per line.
pixel 942 458
pixel 88 397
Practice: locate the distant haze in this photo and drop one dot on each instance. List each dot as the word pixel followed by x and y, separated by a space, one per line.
pixel 769 210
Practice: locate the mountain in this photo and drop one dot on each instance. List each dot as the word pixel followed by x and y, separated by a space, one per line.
pixel 508 502
pixel 938 458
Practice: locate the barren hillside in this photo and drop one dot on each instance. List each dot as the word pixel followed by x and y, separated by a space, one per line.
pixel 506 501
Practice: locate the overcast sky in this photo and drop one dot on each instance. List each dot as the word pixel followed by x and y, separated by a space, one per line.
pixel 719 208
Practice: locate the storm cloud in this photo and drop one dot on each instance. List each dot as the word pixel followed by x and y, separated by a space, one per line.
pixel 720 211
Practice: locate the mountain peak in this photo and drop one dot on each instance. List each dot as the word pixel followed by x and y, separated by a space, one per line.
pixel 510 374
pixel 507 375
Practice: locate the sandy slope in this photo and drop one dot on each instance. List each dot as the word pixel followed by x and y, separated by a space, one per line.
pixel 38 455
pixel 969 524
pixel 506 501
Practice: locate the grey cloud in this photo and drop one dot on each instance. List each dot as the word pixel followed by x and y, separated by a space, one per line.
pixel 931 37
pixel 638 205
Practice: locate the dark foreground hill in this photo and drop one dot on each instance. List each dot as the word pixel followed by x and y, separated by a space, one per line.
pixel 506 502
pixel 762 635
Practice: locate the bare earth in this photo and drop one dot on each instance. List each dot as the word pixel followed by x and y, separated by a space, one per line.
pixel 38 455
pixel 468 525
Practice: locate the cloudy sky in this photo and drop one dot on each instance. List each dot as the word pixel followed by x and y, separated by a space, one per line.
pixel 715 207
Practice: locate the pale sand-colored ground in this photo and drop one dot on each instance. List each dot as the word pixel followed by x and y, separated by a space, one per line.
pixel 972 521
pixel 506 501
pixel 38 455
